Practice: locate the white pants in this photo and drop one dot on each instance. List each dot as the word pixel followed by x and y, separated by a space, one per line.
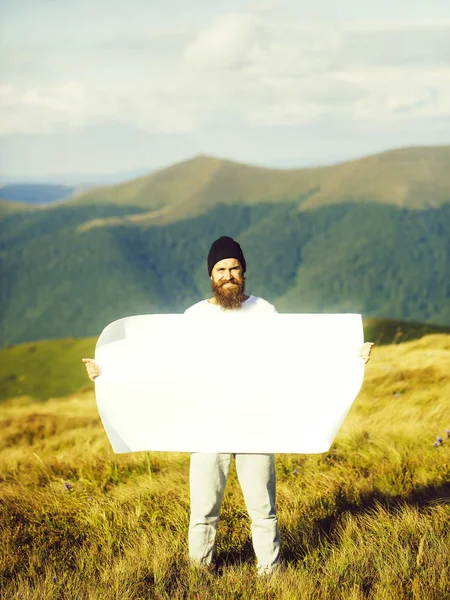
pixel 208 476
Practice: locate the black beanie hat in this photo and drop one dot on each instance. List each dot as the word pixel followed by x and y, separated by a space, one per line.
pixel 225 247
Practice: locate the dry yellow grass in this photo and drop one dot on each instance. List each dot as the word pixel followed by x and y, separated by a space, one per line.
pixel 369 519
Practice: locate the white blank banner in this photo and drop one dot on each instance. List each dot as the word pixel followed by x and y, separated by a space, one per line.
pixel 258 383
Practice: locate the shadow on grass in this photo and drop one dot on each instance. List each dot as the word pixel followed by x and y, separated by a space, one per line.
pixel 327 529
pixel 234 557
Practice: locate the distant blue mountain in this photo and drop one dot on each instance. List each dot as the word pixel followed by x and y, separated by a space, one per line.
pixel 35 193
pixel 83 180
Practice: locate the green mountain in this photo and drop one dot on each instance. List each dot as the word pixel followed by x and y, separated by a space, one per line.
pixel 412 178
pixel 369 236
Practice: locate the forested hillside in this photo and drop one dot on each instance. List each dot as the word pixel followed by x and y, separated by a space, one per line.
pixel 71 269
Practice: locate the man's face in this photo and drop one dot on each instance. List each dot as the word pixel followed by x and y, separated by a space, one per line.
pixel 228 283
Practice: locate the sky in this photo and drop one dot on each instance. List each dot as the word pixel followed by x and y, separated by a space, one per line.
pixel 111 87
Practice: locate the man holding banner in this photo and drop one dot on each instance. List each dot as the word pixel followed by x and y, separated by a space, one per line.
pixel 209 471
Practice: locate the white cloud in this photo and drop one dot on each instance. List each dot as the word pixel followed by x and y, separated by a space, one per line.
pixel 52 108
pixel 406 93
pixel 226 44
pixel 263 68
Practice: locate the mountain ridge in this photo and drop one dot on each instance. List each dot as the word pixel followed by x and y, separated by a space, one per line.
pixel 414 178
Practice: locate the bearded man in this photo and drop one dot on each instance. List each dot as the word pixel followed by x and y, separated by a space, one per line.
pixel 209 471
pixel 226 268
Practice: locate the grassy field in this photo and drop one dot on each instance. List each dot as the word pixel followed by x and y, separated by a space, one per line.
pixel 367 520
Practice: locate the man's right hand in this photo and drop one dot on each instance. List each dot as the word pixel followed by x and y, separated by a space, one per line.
pixel 92 368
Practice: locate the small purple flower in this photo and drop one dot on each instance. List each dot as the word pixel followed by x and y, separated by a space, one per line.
pixel 439 440
pixel 447 431
pixel 295 472
pixel 67 485
pixel 436 444
pixel 54 578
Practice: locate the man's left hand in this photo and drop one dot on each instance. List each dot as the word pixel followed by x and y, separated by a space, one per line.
pixel 365 351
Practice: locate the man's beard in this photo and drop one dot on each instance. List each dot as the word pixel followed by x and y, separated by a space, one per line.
pixel 230 297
